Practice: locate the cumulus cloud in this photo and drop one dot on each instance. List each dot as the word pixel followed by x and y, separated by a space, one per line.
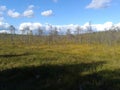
pixel 61 28
pixel 4 25
pixel 28 13
pixel 99 27
pixel 3 8
pixel 47 13
pixel 4 31
pixel 13 14
pixel 30 7
pixel 103 27
pixel 96 4
pixel 117 25
pixel 31 26
pixel 73 27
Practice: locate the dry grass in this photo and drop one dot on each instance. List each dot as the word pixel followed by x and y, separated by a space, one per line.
pixel 59 67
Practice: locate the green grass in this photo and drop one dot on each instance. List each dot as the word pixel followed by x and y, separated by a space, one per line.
pixel 59 67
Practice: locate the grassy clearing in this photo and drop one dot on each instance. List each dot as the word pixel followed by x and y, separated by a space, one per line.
pixel 59 67
pixel 62 68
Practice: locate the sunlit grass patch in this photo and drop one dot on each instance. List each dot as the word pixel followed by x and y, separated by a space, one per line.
pixel 59 67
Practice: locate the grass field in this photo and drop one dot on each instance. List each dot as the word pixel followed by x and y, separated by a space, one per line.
pixel 59 67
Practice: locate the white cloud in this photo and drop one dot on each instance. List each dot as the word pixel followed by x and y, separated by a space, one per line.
pixel 1 19
pixel 47 13
pixel 4 31
pixel 3 8
pixel 72 27
pixel 117 25
pixel 32 26
pixel 13 14
pixel 4 25
pixel 30 7
pixel 28 13
pixel 1 13
pixel 99 27
pixel 96 4
pixel 61 28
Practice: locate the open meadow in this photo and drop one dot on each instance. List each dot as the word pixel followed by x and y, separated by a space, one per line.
pixel 57 66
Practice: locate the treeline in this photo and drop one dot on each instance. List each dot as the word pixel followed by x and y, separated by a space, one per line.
pixel 54 36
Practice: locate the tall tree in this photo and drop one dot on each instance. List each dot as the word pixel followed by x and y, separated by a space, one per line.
pixel 12 29
pixel 40 32
pixel 78 34
pixel 12 32
pixel 69 35
pixel 89 27
pixel 89 31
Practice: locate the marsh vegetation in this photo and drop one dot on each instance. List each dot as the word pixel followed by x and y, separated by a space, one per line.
pixel 87 61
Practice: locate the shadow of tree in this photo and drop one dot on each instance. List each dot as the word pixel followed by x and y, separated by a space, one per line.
pixel 102 80
pixel 13 55
pixel 60 77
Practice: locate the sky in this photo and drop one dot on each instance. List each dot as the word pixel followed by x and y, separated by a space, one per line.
pixel 59 13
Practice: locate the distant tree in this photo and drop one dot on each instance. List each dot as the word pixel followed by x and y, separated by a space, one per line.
pixel 78 33
pixel 12 32
pixel 89 35
pixel 112 35
pixel 23 31
pixel 27 30
pixel 69 35
pixel 40 32
pixel 12 29
pixel 30 32
pixel 68 32
pixel 89 28
pixel 53 34
pixel 50 39
pixel 78 30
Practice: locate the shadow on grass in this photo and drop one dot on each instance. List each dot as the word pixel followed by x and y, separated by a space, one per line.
pixel 60 77
pixel 13 55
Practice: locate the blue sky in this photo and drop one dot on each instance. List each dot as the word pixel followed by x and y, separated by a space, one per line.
pixel 59 12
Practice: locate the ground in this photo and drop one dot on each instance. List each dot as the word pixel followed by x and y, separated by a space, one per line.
pixel 59 67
